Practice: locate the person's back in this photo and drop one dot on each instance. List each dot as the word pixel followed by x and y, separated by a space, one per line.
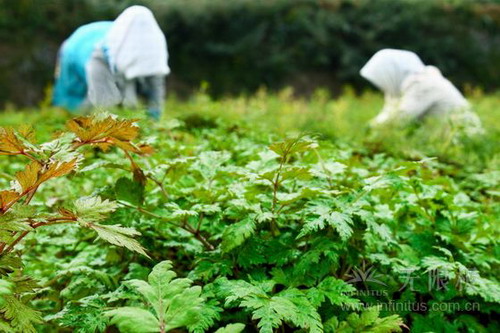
pixel 428 93
pixel 414 92
pixel 134 55
pixel 71 86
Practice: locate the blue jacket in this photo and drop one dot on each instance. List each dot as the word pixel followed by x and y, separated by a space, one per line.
pixel 70 88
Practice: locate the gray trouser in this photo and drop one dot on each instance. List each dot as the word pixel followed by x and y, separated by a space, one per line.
pixel 106 89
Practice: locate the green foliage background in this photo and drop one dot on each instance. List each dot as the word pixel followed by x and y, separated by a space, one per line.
pixel 237 46
pixel 255 212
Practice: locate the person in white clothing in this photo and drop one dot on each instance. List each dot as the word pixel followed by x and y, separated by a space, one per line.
pixel 132 60
pixel 414 92
pixel 114 62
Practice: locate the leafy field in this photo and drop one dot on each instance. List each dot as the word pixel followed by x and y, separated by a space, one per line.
pixel 266 213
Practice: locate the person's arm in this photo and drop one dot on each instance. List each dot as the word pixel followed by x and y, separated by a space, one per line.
pixel 388 113
pixel 102 88
pixel 156 95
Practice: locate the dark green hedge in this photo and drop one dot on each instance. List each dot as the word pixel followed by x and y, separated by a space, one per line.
pixel 239 45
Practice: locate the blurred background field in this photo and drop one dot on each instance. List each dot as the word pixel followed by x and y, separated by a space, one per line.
pixel 240 46
pixel 282 65
pixel 343 119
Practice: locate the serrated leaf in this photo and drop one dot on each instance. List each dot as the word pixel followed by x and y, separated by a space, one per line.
pixel 326 217
pixel 209 314
pixel 120 236
pixel 305 314
pixel 335 290
pixel 57 169
pixel 28 178
pixel 175 302
pixel 93 209
pixel 9 142
pixel 134 320
pixel 235 234
pixel 292 145
pixel 231 328
pixel 129 191
pixel 7 198
pixel 34 173
pixel 369 321
pixel 22 317
pixel 105 132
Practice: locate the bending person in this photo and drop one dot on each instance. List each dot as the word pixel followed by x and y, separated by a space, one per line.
pixel 414 92
pixel 130 59
pixel 70 89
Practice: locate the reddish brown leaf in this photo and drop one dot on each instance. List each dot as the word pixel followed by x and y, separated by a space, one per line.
pixel 34 174
pixel 7 198
pixel 29 177
pixel 9 142
pixel 90 130
pixel 57 169
pixel 145 149
pixel 27 132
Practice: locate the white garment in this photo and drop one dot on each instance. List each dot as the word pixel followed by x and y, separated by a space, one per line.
pixel 388 68
pixel 429 94
pixel 136 45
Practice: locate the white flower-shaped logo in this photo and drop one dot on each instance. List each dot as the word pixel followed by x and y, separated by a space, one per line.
pixel 364 274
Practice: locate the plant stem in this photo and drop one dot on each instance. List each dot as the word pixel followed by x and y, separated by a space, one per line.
pixel 16 241
pixel 276 185
pixel 34 226
pixel 31 157
pixel 197 235
pixel 160 185
pixel 426 211
pixel 325 170
pixel 200 219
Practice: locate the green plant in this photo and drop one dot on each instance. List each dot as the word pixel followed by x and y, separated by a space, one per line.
pixel 326 232
pixel 174 303
pixel 18 218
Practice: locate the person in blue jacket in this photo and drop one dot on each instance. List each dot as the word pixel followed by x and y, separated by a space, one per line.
pixel 104 64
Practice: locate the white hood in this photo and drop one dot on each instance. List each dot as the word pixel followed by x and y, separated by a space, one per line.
pixel 388 68
pixel 136 45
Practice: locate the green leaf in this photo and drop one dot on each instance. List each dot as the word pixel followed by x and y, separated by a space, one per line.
pixel 326 217
pixel 290 305
pixel 134 320
pixel 293 145
pixel 176 304
pixel 129 191
pixel 305 315
pixel 337 291
pixel 84 316
pixel 120 236
pixel 231 328
pixel 21 316
pixel 93 209
pixel 16 219
pixel 369 321
pixel 209 313
pixel 235 234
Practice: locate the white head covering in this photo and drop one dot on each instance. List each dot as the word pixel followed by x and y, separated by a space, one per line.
pixel 136 45
pixel 388 68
